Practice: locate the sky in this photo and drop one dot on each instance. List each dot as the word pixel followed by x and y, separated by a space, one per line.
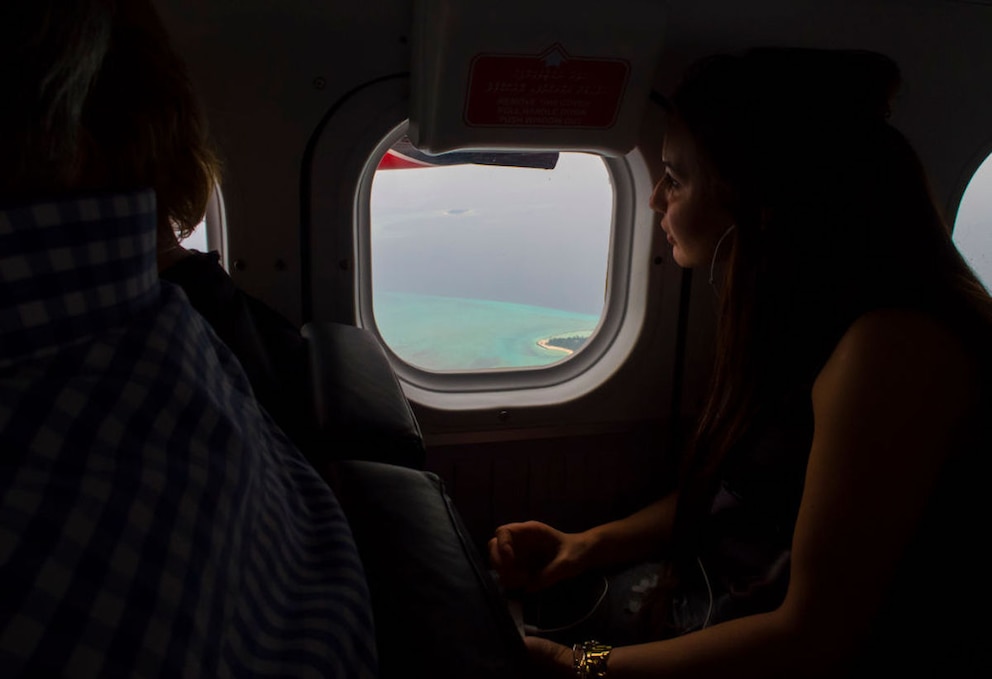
pixel 522 235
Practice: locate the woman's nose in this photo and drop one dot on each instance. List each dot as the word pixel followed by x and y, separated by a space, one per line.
pixel 657 202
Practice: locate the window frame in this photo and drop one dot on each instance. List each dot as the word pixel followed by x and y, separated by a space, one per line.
pixel 501 381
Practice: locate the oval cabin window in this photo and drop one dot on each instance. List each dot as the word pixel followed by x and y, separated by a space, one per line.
pixel 488 261
pixel 973 224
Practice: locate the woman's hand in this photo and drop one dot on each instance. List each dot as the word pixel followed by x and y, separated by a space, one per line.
pixel 551 659
pixel 533 555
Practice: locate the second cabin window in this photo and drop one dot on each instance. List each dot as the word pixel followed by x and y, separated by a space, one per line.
pixel 488 261
pixel 973 223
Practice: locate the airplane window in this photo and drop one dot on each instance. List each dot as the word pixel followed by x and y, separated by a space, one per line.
pixel 488 261
pixel 973 224
pixel 198 239
pixel 210 233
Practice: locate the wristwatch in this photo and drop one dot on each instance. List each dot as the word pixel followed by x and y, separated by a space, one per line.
pixel 589 659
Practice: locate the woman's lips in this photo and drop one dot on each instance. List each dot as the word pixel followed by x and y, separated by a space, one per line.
pixel 668 235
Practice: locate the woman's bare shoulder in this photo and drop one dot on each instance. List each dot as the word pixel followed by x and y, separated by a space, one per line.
pixel 897 339
pixel 897 363
pixel 888 408
pixel 899 324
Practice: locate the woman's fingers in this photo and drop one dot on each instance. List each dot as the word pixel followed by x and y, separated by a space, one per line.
pixel 501 555
pixel 524 555
pixel 549 657
pixel 502 559
pixel 504 542
pixel 494 557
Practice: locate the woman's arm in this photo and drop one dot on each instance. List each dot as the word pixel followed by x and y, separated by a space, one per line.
pixel 642 535
pixel 533 555
pixel 886 408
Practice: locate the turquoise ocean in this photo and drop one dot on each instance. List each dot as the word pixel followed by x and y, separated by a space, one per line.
pixel 451 333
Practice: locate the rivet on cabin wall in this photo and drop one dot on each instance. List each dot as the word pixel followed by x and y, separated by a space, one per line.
pixel 281 265
pixel 503 415
pixel 319 83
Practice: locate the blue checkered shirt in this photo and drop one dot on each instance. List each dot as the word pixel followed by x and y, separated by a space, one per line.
pixel 154 521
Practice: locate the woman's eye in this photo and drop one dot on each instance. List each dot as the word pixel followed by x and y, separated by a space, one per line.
pixel 670 182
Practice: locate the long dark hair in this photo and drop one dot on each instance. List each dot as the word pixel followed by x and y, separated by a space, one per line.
pixel 834 218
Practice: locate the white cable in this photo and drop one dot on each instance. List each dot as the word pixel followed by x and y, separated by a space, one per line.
pixel 709 590
pixel 534 629
pixel 717 249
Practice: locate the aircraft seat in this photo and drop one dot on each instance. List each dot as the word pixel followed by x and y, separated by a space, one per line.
pixel 437 610
pixel 361 411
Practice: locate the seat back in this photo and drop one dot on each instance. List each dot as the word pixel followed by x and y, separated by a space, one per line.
pixel 438 612
pixel 360 410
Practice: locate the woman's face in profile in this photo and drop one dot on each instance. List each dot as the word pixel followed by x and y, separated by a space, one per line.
pixel 691 216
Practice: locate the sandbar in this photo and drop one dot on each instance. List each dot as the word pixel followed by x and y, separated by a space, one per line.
pixel 543 343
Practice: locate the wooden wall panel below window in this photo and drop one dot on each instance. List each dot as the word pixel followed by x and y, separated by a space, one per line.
pixel 570 482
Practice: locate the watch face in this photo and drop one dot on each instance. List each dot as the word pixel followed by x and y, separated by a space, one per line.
pixel 595 655
pixel 590 658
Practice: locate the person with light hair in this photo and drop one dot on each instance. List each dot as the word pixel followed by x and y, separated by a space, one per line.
pixel 156 519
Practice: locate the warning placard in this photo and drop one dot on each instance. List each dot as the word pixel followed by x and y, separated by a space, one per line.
pixel 551 89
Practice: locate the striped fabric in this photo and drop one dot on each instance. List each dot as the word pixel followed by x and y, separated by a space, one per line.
pixel 154 521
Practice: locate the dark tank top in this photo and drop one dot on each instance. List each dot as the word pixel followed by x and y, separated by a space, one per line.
pixel 746 539
pixel 932 622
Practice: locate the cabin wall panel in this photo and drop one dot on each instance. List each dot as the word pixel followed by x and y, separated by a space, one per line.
pixel 570 482
pixel 512 492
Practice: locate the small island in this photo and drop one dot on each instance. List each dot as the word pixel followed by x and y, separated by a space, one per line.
pixel 566 343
